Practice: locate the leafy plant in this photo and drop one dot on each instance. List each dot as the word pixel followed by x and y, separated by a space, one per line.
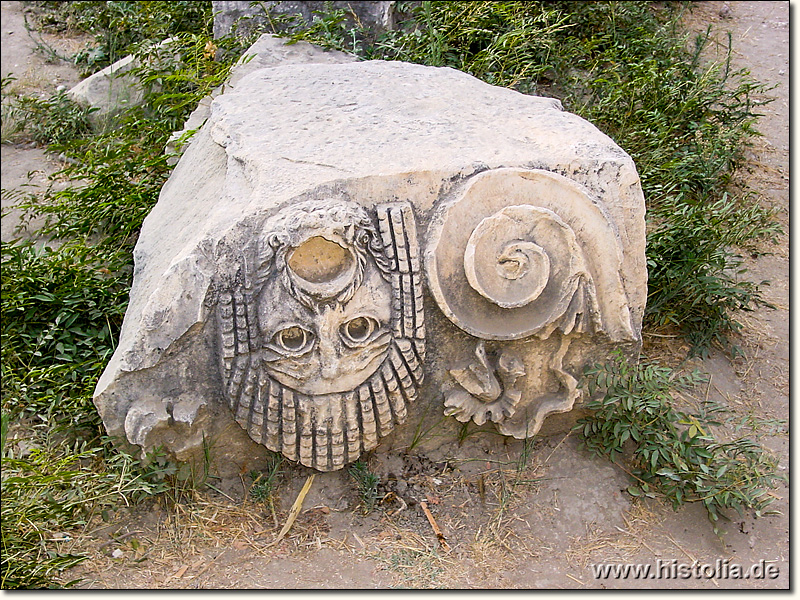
pixel 694 276
pixel 61 312
pixel 55 119
pixel 367 483
pixel 118 28
pixel 674 454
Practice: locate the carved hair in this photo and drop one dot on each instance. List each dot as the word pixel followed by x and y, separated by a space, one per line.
pixel 338 221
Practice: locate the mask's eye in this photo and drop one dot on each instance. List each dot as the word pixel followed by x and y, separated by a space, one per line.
pixel 292 339
pixel 359 330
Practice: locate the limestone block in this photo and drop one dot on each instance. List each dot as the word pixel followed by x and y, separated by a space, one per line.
pixel 267 51
pixel 108 91
pixel 343 248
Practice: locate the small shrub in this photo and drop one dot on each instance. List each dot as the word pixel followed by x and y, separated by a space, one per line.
pixel 695 280
pixel 118 28
pixel 674 454
pixel 52 120
pixel 62 306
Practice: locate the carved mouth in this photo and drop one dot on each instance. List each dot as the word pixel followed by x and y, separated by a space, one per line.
pixel 327 431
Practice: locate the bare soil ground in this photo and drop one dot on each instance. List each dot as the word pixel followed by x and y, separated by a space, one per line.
pixel 541 526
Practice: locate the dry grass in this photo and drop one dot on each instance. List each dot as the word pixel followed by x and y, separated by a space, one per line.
pixel 415 560
pixel 598 545
pixel 172 548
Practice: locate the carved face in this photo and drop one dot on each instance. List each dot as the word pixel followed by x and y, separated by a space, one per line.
pixel 321 330
pixel 331 345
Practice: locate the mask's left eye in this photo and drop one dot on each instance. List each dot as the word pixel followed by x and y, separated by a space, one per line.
pixel 292 339
pixel 359 330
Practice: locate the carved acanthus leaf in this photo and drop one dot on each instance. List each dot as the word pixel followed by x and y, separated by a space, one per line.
pixel 488 392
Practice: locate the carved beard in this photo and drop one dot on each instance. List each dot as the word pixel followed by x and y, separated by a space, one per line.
pixel 327 431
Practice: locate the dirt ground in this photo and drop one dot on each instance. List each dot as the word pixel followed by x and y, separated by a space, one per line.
pixel 540 526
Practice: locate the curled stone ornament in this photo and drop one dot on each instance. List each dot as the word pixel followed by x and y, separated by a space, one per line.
pixel 507 262
pixel 520 253
pixel 517 254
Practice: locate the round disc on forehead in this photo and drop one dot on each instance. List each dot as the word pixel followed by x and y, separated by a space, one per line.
pixel 319 260
pixel 321 267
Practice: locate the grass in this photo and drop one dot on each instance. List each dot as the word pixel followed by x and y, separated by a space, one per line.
pixel 51 489
pixel 265 483
pixel 625 66
pixel 367 484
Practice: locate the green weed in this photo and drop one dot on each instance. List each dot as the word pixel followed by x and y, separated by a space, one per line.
pixel 695 280
pixel 367 483
pixel 265 484
pixel 55 119
pixel 48 493
pixel 674 454
pixel 120 28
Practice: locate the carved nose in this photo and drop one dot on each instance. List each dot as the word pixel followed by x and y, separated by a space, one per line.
pixel 328 359
pixel 330 370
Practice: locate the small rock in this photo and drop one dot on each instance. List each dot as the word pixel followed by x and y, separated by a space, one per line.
pixel 401 486
pixel 725 11
pixel 117 553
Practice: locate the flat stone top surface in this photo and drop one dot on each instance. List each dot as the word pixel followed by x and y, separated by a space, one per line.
pixel 352 120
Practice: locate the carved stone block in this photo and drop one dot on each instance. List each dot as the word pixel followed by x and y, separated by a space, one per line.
pixel 343 248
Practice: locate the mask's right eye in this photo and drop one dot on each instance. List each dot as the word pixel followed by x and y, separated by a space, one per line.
pixel 293 339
